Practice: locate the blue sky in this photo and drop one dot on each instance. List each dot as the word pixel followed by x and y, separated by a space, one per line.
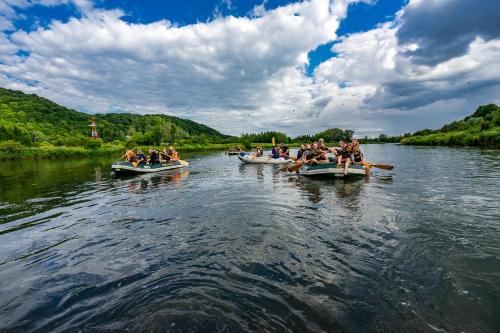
pixel 360 16
pixel 240 66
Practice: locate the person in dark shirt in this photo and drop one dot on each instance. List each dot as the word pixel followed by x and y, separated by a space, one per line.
pixel 284 151
pixel 153 157
pixel 301 151
pixel 140 158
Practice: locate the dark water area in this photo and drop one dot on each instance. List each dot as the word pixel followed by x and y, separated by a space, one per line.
pixel 227 247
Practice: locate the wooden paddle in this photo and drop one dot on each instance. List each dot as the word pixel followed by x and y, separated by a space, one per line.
pixel 296 166
pixel 379 166
pixel 127 152
pixel 184 163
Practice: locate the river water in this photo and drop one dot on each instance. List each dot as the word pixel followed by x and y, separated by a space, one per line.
pixel 227 247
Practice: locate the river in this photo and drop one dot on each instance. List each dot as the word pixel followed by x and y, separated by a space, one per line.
pixel 227 247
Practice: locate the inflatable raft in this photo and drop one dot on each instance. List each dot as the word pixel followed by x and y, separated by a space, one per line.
pixel 332 170
pixel 252 159
pixel 122 167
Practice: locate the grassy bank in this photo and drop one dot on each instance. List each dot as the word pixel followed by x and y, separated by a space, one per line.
pixel 487 138
pixel 15 151
pixel 481 129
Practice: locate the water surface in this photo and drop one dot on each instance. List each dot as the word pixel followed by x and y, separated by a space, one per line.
pixel 226 247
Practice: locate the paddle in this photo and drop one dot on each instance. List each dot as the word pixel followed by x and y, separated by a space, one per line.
pixel 184 163
pixel 379 166
pixel 296 166
pixel 127 153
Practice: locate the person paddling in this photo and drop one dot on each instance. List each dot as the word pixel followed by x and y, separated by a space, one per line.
pixel 173 154
pixel 140 158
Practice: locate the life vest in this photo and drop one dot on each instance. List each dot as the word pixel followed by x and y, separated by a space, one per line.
pixel 345 154
pixel 357 155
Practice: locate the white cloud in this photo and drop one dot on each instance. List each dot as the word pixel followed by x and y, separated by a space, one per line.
pixel 228 64
pixel 248 73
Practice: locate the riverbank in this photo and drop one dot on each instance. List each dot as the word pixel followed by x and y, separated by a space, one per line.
pixel 484 139
pixel 19 152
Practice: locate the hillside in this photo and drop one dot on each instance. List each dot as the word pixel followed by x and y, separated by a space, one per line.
pixel 481 129
pixel 34 121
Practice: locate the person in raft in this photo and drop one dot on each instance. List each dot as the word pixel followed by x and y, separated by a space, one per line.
pixel 301 151
pixel 173 154
pixel 284 151
pixel 321 145
pixel 275 153
pixel 153 157
pixel 130 156
pixel 259 152
pixel 315 155
pixel 358 156
pixel 140 158
pixel 344 155
pixel 164 158
pixel 320 153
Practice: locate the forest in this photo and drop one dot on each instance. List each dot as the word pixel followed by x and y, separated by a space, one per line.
pixel 35 127
pixel 481 129
pixel 33 121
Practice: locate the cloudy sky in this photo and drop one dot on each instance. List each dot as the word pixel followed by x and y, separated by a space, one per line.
pixel 376 66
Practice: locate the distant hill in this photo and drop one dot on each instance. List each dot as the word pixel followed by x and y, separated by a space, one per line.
pixel 481 129
pixel 33 121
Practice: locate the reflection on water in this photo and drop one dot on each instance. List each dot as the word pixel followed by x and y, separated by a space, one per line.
pixel 224 246
pixel 162 180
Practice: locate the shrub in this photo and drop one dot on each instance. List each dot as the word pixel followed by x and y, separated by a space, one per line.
pixel 11 145
pixel 93 143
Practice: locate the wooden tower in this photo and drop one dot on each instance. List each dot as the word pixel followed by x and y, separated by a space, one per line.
pixel 94 129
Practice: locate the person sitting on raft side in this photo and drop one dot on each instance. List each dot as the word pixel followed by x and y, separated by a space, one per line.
pixel 317 156
pixel 164 158
pixel 140 158
pixel 173 154
pixel 357 151
pixel 153 157
pixel 301 151
pixel 259 152
pixel 358 156
pixel 308 155
pixel 321 145
pixel 130 156
pixel 275 153
pixel 304 155
pixel 344 156
pixel 337 150
pixel 284 152
pixel 320 155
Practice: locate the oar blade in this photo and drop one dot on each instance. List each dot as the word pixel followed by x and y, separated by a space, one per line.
pixel 184 163
pixel 384 166
pixel 294 167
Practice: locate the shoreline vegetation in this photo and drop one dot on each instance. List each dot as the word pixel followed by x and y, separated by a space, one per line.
pixel 10 150
pixel 32 127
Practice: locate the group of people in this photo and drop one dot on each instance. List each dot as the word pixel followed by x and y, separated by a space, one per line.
pixel 154 157
pixel 345 153
pixel 236 149
pixel 281 150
